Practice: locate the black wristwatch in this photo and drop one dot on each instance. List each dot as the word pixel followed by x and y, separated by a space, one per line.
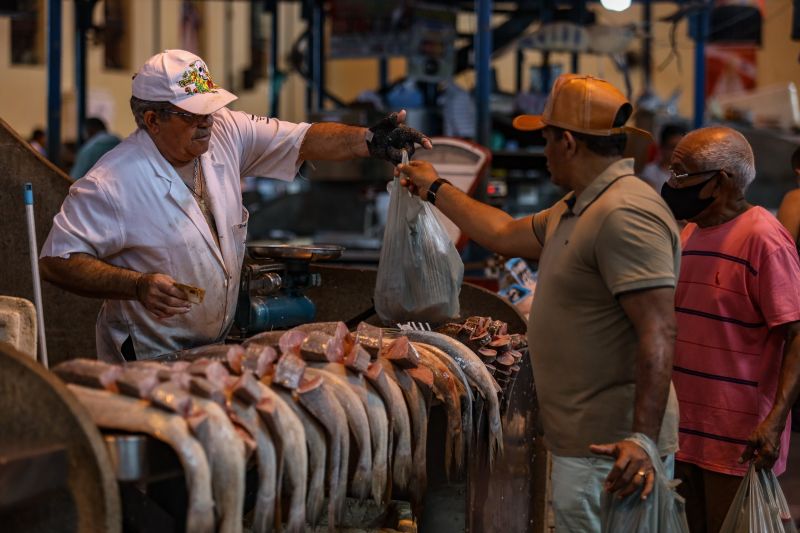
pixel 431 196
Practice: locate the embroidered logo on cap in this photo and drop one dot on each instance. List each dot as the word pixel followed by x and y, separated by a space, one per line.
pixel 197 79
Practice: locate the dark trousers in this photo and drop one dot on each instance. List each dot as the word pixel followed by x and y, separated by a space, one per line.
pixel 708 496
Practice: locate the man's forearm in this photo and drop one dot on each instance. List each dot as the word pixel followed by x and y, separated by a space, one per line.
pixel 492 228
pixel 653 374
pixel 789 380
pixel 331 141
pixel 89 276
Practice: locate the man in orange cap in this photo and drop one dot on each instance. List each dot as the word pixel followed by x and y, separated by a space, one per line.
pixel 602 324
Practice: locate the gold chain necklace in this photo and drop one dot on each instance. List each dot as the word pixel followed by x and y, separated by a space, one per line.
pixel 197 190
pixel 197 184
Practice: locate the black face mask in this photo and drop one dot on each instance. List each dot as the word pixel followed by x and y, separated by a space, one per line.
pixel 685 202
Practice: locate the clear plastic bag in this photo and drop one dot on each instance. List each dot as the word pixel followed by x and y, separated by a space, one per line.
pixel 759 506
pixel 420 271
pixel 662 512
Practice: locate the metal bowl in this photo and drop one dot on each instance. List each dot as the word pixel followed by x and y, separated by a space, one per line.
pixel 313 252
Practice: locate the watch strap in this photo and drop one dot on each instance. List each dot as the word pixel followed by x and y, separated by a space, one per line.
pixel 431 196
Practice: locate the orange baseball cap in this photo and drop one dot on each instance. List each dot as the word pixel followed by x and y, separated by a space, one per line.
pixel 584 104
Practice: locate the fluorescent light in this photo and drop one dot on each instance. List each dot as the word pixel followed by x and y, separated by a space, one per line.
pixel 616 5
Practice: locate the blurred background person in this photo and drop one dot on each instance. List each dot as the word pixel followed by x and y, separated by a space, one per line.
pixel 98 142
pixel 657 172
pixel 789 211
pixel 38 141
pixel 789 216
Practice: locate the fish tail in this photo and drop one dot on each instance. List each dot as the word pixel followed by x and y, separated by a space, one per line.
pixel 331 514
pixel 495 442
pixel 402 471
pixel 379 477
pixel 264 514
pixel 297 521
pixel 361 483
pixel 314 508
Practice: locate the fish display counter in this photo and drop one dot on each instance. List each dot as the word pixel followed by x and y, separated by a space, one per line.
pixel 335 425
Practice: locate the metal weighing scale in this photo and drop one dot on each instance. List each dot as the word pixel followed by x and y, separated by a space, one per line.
pixel 271 291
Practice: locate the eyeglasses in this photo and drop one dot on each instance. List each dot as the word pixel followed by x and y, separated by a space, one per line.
pixel 674 179
pixel 191 118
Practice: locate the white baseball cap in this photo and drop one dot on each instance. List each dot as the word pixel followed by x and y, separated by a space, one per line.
pixel 182 79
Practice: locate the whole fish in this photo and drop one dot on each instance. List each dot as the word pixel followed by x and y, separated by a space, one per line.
pixel 112 411
pixel 213 387
pixel 207 422
pixel 359 426
pixel 295 456
pixel 476 371
pixel 473 420
pixel 317 451
pixel 378 425
pixel 445 387
pixel 244 387
pixel 321 402
pixel 399 420
pixel 226 455
pixel 426 352
pixel 418 414
pixel 266 496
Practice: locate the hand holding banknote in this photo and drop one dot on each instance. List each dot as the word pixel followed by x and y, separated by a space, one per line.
pixel 164 297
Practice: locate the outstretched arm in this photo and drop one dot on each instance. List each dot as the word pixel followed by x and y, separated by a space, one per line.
pixel 490 227
pixel 332 141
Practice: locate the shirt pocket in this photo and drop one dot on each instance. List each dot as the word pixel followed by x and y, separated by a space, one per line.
pixel 239 234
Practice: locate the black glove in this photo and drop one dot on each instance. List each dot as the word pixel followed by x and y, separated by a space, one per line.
pixel 388 138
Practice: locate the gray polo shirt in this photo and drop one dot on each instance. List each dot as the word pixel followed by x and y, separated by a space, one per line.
pixel 617 236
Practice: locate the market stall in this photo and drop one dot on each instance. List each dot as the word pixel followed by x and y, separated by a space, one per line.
pixel 255 434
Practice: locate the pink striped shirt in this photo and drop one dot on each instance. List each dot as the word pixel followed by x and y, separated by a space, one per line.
pixel 738 282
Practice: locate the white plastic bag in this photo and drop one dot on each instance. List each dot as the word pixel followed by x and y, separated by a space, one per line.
pixel 759 506
pixel 662 512
pixel 420 271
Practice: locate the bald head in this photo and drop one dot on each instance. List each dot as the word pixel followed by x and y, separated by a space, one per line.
pixel 717 148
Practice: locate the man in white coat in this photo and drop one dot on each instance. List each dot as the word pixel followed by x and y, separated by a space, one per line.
pixel 165 206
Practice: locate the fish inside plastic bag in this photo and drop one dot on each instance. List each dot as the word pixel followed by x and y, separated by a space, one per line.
pixel 420 270
pixel 662 512
pixel 759 506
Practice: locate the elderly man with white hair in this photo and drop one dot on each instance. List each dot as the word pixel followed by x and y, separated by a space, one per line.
pixel 737 355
